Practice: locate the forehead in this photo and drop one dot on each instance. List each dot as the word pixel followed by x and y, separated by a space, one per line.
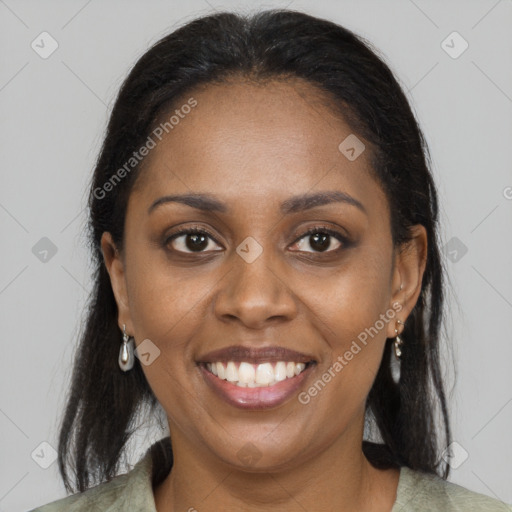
pixel 247 140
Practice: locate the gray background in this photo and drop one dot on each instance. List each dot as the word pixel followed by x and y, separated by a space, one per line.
pixel 54 112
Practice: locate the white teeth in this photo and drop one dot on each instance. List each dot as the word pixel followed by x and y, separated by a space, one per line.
pixel 255 375
pixel 231 372
pixel 221 373
pixel 299 367
pixel 264 374
pixel 246 373
pixel 280 371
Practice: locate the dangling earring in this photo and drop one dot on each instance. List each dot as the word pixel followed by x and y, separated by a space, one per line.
pixel 126 355
pixel 398 343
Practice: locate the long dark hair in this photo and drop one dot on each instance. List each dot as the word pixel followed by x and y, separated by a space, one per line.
pixel 103 402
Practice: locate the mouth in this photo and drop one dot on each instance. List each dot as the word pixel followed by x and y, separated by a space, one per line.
pixel 244 374
pixel 255 379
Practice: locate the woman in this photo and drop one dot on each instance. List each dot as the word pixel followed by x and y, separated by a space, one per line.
pixel 264 227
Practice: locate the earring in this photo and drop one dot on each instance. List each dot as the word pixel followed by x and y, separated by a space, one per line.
pixel 126 355
pixel 398 343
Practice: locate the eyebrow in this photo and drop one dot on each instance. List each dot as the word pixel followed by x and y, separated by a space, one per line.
pixel 294 204
pixel 307 201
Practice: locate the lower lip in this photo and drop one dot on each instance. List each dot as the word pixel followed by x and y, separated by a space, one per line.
pixel 255 398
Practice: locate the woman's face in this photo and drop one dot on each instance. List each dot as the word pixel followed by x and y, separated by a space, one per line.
pixel 253 284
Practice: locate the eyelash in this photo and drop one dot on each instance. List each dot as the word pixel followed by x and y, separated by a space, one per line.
pixel 311 231
pixel 189 231
pixel 323 229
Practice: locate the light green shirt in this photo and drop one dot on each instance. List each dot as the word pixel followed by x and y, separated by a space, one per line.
pixel 133 492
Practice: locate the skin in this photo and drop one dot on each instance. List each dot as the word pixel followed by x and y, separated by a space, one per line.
pixel 253 147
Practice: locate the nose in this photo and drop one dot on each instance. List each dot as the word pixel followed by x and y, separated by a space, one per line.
pixel 255 294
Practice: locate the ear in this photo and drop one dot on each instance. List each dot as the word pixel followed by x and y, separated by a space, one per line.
pixel 409 267
pixel 116 269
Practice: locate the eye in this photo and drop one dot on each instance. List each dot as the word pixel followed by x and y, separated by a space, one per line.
pixel 196 240
pixel 191 240
pixel 320 239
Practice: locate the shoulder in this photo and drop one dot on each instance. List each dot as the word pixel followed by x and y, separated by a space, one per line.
pixel 129 491
pixel 418 492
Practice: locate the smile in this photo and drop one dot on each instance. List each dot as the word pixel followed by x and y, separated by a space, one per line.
pixel 245 374
pixel 255 378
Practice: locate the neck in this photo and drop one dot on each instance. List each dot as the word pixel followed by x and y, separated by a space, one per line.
pixel 338 479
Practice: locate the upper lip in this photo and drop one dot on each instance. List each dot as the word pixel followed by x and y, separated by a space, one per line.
pixel 254 355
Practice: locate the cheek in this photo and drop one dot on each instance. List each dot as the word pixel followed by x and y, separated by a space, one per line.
pixel 164 301
pixel 351 311
pixel 352 298
pixel 165 307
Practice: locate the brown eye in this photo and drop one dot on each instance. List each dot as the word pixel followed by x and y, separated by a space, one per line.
pixel 191 240
pixel 320 240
